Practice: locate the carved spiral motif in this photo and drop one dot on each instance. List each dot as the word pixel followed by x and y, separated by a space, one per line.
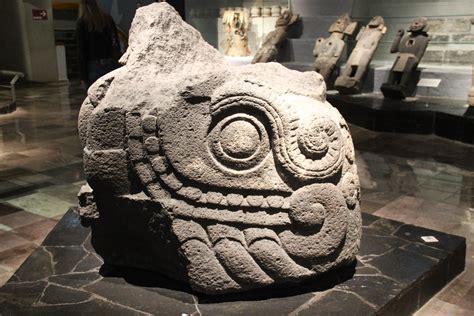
pixel 318 152
pixel 239 142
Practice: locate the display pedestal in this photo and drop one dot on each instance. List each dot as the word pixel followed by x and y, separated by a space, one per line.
pixel 239 61
pixel 396 273
pixel 443 117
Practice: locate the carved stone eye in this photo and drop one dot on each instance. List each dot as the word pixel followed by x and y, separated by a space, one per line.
pixel 239 142
pixel 239 139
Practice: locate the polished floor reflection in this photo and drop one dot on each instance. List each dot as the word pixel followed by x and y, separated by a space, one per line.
pixel 421 180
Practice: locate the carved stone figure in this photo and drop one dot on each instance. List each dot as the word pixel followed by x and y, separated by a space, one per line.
pixel 368 39
pixel 236 25
pixel 328 51
pixel 410 49
pixel 227 178
pixel 470 99
pixel 269 50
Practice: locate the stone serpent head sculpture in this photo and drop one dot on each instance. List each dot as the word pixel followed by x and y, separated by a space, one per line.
pixel 226 178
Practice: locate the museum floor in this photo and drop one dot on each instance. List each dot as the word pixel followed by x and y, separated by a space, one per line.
pixel 420 180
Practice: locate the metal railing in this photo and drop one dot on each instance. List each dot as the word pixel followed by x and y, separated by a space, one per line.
pixel 16 76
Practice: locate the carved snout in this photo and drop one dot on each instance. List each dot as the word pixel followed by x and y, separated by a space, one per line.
pixel 320 208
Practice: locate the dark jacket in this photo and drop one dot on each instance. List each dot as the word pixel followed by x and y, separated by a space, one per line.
pixel 96 45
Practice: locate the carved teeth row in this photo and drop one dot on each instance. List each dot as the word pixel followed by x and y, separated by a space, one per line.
pixel 160 165
pixel 217 198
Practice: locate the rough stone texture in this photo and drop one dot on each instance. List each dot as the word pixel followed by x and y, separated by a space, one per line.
pixel 470 98
pixel 328 51
pixel 227 178
pixel 410 49
pixel 66 277
pixel 272 42
pixel 351 79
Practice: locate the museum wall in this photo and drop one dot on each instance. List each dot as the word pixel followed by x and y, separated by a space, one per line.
pixel 29 42
pixel 12 35
pixel 40 36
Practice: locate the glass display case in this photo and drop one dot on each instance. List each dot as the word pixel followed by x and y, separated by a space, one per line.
pixel 219 20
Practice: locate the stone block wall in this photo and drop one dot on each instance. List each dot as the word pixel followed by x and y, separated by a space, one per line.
pixel 452 41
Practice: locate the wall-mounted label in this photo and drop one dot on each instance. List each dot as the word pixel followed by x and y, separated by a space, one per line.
pixel 39 14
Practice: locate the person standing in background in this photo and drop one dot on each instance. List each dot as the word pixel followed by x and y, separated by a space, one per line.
pixel 97 41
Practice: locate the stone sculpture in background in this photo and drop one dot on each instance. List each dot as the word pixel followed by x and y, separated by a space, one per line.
pixel 236 26
pixel 269 50
pixel 470 99
pixel 222 177
pixel 351 79
pixel 410 49
pixel 328 51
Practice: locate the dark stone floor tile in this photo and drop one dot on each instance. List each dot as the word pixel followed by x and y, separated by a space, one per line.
pixel 368 219
pixel 375 244
pixel 384 226
pixel 370 206
pixel 75 280
pixel 38 266
pixel 66 174
pixel 87 308
pixel 403 266
pixel 141 298
pixel 9 189
pixel 68 232
pixel 414 234
pixel 22 294
pixel 59 295
pixel 65 259
pixel 426 250
pixel 275 306
pixel 338 303
pixel 90 262
pixel 12 173
pixel 364 287
pixel 6 209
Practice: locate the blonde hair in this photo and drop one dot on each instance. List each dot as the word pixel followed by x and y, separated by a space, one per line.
pixel 92 15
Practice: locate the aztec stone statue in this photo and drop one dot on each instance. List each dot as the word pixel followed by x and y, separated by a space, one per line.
pixel 470 99
pixel 236 26
pixel 272 42
pixel 410 49
pixel 225 178
pixel 351 79
pixel 328 51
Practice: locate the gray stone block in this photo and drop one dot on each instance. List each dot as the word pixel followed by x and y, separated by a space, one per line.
pixel 440 38
pixel 438 25
pixel 434 56
pixel 459 24
pixel 459 56
pixel 464 37
pixel 229 178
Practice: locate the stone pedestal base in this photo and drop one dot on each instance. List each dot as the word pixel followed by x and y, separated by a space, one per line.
pixel 348 85
pixel 396 273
